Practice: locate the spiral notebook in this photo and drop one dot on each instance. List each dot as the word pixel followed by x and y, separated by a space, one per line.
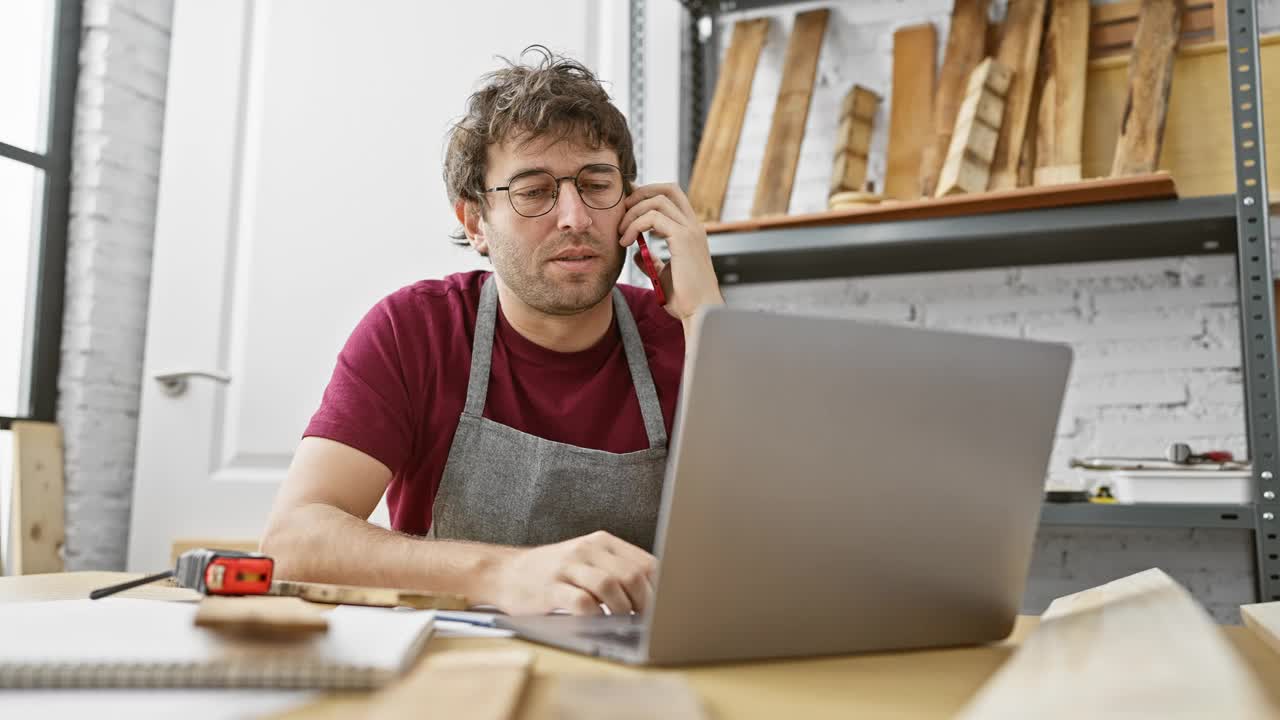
pixel 119 642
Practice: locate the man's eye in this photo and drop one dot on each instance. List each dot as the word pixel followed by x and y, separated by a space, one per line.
pixel 596 187
pixel 531 194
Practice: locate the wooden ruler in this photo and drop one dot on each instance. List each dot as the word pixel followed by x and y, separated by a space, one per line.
pixel 1020 53
pixel 373 596
pixel 719 145
pixel 910 109
pixel 965 49
pixel 790 112
pixel 1150 75
pixel 973 143
pixel 1060 120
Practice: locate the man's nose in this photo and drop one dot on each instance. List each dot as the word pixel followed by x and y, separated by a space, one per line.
pixel 572 213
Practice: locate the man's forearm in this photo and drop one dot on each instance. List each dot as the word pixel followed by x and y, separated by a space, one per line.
pixel 321 543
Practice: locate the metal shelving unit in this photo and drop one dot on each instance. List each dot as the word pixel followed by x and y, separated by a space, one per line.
pixel 1237 224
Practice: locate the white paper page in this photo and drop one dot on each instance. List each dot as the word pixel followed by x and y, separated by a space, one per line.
pixel 148 704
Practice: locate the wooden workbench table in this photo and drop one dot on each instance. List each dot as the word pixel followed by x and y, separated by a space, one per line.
pixel 921 684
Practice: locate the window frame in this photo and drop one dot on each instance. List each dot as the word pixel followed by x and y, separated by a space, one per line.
pixel 45 290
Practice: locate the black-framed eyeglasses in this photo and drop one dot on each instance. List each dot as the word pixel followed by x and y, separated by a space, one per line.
pixel 534 193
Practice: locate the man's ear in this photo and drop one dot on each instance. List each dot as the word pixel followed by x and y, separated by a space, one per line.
pixel 469 215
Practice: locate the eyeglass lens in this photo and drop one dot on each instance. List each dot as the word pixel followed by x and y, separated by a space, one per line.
pixel 533 194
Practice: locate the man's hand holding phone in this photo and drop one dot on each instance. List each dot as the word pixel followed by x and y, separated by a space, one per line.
pixel 688 281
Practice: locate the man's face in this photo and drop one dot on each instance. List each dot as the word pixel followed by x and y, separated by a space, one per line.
pixel 563 262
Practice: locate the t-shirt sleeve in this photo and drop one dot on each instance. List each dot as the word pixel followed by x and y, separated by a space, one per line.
pixel 367 402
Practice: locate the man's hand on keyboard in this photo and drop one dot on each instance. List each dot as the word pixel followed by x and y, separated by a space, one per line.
pixel 577 576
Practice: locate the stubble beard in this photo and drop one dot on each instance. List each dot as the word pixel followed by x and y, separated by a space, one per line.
pixel 529 277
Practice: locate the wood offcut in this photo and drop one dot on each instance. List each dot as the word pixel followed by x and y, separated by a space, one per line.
pixel 910 109
pixel 1150 77
pixel 965 49
pixel 853 140
pixel 1140 646
pixel 1060 118
pixel 1114 25
pixel 36 521
pixel 1020 53
pixel 710 178
pixel 973 142
pixel 460 685
pixel 790 112
pixel 262 617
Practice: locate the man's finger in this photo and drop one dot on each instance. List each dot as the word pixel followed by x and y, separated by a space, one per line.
pixel 602 584
pixel 574 599
pixel 661 203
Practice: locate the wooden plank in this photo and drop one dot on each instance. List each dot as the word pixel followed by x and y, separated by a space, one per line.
pixel 1020 52
pixel 1114 25
pixel 1060 120
pixel 182 545
pixel 910 109
pixel 782 151
pixel 973 143
pixel 1140 646
pixel 1198 133
pixel 37 515
pixel 1098 190
pixel 1263 619
pixel 853 140
pixel 1147 100
pixel 372 596
pixel 613 697
pixel 719 145
pixel 1219 11
pixel 459 685
pixel 262 617
pixel 965 49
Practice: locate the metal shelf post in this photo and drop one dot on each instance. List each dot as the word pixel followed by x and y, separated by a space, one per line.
pixel 1257 299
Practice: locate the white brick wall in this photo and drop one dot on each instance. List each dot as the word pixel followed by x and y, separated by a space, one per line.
pixel 116 159
pixel 1156 341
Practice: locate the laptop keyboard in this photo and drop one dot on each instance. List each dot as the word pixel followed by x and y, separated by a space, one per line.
pixel 629 635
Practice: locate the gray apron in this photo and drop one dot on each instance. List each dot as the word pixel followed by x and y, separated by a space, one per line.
pixel 504 486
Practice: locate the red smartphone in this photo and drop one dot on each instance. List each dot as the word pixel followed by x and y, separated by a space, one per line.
pixel 650 269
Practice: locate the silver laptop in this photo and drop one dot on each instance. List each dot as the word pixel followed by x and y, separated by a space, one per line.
pixel 838 486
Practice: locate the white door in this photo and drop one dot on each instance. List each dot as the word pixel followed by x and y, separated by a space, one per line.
pixel 300 182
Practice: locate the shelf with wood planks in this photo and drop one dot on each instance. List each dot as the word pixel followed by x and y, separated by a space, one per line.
pixel 1140 228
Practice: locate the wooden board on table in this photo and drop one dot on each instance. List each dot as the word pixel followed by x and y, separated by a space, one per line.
pixel 719 145
pixel 1198 133
pixel 1114 25
pixel 1140 646
pixel 1060 118
pixel 372 596
pixel 262 617
pixel 37 517
pixel 612 697
pixel 973 142
pixel 461 685
pixel 853 141
pixel 790 112
pixel 1150 77
pixel 910 109
pixel 965 49
pixel 1020 52
pixel 1099 190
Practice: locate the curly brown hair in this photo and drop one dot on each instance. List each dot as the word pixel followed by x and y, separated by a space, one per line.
pixel 553 97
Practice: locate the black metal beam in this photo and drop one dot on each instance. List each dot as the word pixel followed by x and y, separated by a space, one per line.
pixel 1087 233
pixel 52 263
pixel 1150 515
pixel 26 157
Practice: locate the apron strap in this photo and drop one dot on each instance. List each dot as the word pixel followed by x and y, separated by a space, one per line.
pixel 482 355
pixel 650 408
pixel 482 349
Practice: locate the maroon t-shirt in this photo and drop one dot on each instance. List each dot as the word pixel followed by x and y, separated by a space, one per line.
pixel 401 382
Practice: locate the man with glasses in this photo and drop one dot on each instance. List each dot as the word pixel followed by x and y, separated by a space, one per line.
pixel 517 419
